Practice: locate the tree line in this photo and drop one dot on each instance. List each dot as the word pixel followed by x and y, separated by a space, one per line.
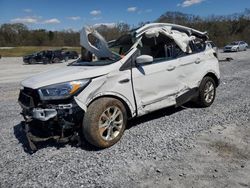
pixel 221 29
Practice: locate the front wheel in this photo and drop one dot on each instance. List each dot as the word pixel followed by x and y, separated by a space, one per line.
pixel 104 122
pixel 207 92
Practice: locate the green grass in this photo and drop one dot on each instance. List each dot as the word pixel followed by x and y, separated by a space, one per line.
pixel 25 50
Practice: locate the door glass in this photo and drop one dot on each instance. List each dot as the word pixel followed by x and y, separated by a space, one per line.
pixel 160 48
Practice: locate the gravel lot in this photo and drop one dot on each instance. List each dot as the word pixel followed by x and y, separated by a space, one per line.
pixel 184 147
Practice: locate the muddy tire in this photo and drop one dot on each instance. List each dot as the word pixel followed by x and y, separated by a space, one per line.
pixel 104 122
pixel 207 92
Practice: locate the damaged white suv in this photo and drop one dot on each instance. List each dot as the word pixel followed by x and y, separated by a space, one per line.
pixel 150 68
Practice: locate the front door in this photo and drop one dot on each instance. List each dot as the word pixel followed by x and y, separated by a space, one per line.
pixel 157 84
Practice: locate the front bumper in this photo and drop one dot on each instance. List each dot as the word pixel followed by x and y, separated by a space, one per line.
pixel 43 114
pixel 26 60
pixel 42 122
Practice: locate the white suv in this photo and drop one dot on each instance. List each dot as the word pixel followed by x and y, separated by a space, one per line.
pixel 150 68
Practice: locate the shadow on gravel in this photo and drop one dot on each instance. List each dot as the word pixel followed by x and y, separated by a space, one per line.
pixel 21 135
pixel 154 115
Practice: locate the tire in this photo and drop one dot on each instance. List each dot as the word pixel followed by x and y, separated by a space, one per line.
pixel 32 61
pixel 206 97
pixel 45 60
pixel 99 128
pixel 56 60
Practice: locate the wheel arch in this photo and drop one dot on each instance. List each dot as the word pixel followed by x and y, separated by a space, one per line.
pixel 129 109
pixel 214 77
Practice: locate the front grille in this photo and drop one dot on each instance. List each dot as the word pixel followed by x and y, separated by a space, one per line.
pixel 29 97
pixel 26 100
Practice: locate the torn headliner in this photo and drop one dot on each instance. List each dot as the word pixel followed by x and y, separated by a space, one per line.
pixel 187 30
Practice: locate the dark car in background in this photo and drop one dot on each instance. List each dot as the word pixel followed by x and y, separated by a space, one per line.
pixel 70 55
pixel 45 56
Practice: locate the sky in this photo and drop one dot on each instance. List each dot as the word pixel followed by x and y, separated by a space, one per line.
pixel 73 14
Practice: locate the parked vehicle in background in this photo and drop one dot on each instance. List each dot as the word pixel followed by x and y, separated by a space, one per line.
pixel 46 56
pixel 236 46
pixel 214 47
pixel 57 56
pixel 70 55
pixel 157 66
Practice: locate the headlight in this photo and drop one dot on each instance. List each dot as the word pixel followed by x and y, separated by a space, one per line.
pixel 62 90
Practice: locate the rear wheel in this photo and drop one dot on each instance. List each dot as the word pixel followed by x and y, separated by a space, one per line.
pixel 32 61
pixel 56 60
pixel 104 122
pixel 207 92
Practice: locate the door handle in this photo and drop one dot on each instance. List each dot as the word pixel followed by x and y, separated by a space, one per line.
pixel 170 68
pixel 197 61
pixel 124 81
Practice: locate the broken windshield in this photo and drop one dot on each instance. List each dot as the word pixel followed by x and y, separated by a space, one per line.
pixel 95 43
pixel 122 45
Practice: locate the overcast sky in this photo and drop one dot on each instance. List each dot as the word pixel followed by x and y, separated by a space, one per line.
pixel 73 14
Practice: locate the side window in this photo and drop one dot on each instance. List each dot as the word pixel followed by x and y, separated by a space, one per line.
pixel 198 45
pixel 160 48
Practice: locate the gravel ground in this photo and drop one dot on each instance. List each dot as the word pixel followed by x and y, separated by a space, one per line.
pixel 183 147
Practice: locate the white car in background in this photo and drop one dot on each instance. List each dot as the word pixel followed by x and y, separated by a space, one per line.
pixel 236 46
pixel 153 67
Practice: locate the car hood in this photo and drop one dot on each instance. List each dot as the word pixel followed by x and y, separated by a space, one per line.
pixel 66 74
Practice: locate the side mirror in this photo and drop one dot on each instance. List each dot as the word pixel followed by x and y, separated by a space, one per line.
pixel 144 59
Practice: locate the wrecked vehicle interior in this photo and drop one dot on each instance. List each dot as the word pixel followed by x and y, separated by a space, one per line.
pixel 150 68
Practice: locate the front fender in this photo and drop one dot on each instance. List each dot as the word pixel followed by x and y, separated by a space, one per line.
pixel 123 99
